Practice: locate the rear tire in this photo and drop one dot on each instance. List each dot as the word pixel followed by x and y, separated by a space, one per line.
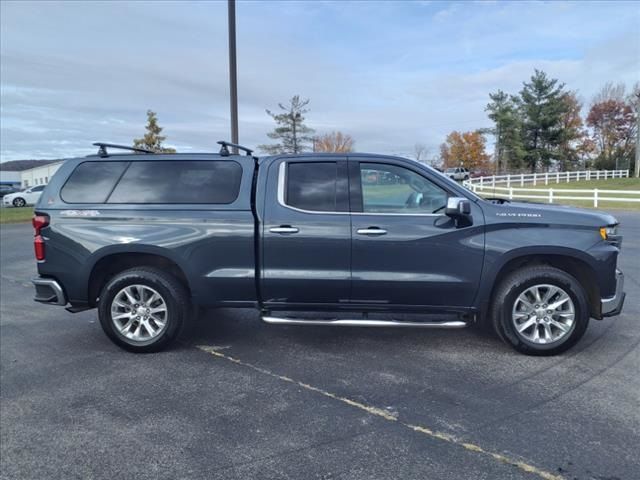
pixel 143 309
pixel 540 310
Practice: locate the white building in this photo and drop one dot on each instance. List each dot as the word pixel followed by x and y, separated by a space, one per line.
pixel 39 175
pixel 10 178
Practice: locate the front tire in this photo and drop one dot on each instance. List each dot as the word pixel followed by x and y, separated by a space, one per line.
pixel 19 202
pixel 540 311
pixel 143 309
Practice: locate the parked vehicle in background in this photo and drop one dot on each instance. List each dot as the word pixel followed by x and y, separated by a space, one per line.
pixel 6 190
pixel 30 196
pixel 480 173
pixel 145 237
pixel 457 173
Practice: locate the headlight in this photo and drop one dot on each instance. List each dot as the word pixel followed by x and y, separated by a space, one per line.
pixel 606 232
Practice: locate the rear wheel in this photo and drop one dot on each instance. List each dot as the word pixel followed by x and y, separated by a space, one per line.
pixel 19 202
pixel 540 310
pixel 143 309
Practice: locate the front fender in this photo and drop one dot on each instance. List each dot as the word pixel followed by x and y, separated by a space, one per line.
pixel 506 245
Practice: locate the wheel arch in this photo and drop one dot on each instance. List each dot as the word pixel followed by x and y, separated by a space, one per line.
pixel 110 261
pixel 572 261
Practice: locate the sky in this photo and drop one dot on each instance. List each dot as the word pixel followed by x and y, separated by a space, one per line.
pixel 390 74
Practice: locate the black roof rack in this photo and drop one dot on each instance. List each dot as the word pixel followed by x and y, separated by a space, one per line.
pixel 102 148
pixel 224 149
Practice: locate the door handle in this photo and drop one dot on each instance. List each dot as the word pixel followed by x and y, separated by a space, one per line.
pixel 373 231
pixel 284 229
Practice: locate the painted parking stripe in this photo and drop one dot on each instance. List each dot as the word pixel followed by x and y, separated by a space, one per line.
pixel 379 412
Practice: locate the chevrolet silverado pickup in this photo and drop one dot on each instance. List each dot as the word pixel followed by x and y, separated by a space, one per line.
pixel 349 238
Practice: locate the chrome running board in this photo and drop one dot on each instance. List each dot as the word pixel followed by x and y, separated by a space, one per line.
pixel 362 323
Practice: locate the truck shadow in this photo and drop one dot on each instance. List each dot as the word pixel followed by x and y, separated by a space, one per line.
pixel 235 327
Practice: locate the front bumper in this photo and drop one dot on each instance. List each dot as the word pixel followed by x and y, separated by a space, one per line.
pixel 612 306
pixel 49 291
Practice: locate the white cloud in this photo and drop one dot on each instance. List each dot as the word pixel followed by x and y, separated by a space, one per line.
pixel 391 76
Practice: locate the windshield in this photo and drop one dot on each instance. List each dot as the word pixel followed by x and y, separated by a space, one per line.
pixel 450 170
pixel 451 180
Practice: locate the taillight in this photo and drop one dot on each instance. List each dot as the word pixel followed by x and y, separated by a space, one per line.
pixel 39 222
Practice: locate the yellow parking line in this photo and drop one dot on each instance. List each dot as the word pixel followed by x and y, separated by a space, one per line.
pixel 388 416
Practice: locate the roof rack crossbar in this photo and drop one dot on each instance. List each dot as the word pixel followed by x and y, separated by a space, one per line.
pixel 102 148
pixel 224 149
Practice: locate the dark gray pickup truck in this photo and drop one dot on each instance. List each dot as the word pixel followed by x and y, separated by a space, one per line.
pixel 145 237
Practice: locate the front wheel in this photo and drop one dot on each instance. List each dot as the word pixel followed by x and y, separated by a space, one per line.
pixel 143 309
pixel 540 310
pixel 19 202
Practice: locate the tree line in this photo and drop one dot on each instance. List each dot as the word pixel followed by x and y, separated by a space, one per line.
pixel 539 128
pixel 542 128
pixel 291 133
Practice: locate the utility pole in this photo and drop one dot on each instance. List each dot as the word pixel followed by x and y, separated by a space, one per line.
pixel 637 169
pixel 233 76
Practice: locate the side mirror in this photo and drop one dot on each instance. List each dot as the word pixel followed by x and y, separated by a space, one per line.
pixel 457 207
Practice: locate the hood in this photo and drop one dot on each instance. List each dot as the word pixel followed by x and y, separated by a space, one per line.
pixel 549 213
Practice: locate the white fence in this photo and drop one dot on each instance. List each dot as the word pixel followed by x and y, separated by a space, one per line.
pixel 488 185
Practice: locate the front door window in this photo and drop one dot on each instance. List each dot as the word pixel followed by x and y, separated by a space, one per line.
pixel 393 189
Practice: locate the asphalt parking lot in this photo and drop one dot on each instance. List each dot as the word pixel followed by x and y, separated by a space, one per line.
pixel 240 399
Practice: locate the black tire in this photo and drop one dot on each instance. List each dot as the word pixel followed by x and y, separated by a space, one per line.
pixel 19 202
pixel 172 292
pixel 515 284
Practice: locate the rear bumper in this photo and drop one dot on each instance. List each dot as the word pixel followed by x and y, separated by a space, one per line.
pixel 49 291
pixel 612 306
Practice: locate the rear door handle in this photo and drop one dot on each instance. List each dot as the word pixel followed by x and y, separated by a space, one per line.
pixel 284 229
pixel 371 231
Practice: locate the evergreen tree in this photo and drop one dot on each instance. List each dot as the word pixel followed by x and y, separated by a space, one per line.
pixel 293 135
pixel 152 140
pixel 542 107
pixel 509 151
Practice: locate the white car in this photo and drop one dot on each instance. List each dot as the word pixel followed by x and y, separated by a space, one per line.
pixel 457 173
pixel 26 197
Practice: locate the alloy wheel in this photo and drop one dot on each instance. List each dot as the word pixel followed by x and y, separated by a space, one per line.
pixel 543 314
pixel 139 313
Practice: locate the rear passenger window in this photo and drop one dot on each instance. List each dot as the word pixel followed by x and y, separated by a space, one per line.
pixel 317 186
pixel 91 182
pixel 182 181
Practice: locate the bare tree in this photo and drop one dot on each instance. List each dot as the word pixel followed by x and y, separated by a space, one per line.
pixel 420 152
pixel 333 142
pixel 610 91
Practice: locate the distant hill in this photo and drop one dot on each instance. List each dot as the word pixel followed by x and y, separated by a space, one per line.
pixel 19 165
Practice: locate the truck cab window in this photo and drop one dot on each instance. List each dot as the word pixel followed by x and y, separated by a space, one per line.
pixel 317 186
pixel 392 189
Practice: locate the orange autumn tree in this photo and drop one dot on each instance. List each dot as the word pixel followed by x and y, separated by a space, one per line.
pixel 466 149
pixel 333 142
